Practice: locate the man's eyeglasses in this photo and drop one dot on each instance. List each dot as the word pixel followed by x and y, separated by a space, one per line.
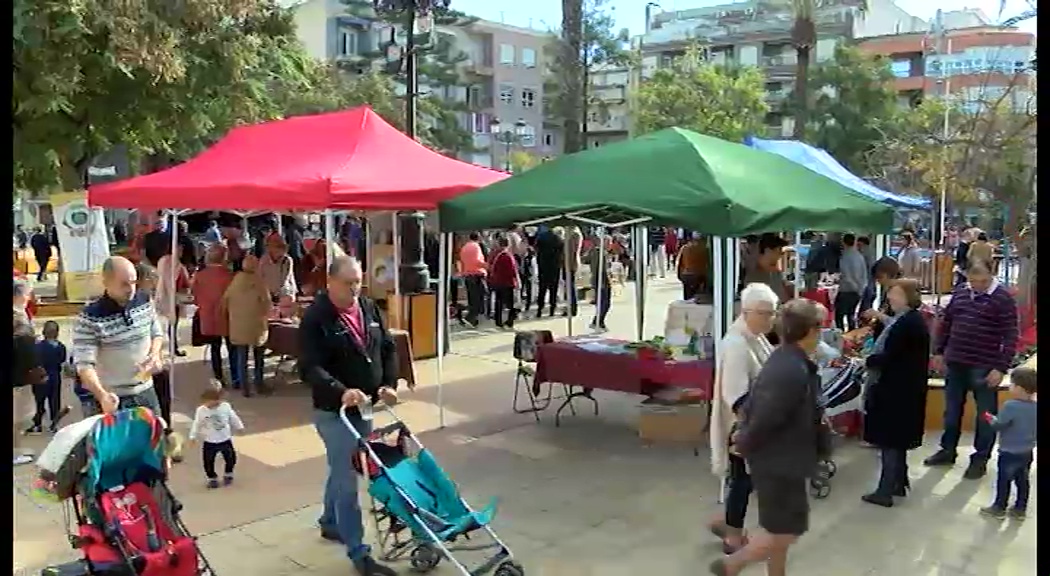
pixel 763 313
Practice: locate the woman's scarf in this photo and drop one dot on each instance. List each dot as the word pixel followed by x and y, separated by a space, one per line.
pixel 880 346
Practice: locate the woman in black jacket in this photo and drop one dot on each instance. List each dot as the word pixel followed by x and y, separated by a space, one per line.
pixel 895 399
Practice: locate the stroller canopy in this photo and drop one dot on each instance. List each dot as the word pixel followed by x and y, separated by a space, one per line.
pixel 125 447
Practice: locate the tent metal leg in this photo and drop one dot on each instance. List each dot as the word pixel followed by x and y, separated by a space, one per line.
pixel 442 322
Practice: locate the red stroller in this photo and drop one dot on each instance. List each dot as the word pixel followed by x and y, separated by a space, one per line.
pixel 127 520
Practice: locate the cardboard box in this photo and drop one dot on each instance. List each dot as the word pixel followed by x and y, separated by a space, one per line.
pixel 681 423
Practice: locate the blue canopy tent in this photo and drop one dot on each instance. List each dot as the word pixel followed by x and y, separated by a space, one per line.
pixel 823 163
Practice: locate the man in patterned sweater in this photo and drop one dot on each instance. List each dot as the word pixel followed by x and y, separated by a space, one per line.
pixel 117 341
pixel 975 343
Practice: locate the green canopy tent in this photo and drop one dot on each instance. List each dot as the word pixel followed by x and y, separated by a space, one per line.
pixel 673 177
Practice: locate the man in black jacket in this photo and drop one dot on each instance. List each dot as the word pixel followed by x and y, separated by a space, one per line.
pixel 156 243
pixel 782 437
pixel 550 259
pixel 349 359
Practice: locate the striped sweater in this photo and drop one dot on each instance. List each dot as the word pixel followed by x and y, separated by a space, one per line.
pixel 115 339
pixel 979 329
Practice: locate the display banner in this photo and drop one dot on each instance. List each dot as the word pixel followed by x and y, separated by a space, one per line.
pixel 83 245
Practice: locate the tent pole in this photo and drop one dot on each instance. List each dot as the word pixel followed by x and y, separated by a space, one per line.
pixel 172 325
pixel 393 303
pixel 718 280
pixel 601 274
pixel 442 321
pixel 799 284
pixel 570 284
pixel 329 236
pixel 641 276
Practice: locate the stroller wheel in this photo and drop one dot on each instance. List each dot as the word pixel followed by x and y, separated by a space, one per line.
pixel 819 488
pixel 830 468
pixel 424 558
pixel 509 568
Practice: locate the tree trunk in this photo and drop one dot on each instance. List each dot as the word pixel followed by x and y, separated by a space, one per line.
pixel 572 45
pixel 804 36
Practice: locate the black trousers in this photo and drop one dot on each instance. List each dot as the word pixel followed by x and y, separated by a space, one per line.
pixel 211 450
pixel 846 310
pixel 548 285
pixel 475 286
pixel 738 492
pixel 48 399
pixel 162 386
pixel 504 302
pixel 216 356
pixel 893 476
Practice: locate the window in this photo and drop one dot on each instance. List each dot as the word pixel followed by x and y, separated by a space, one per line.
pixel 548 140
pixel 528 98
pixel 528 136
pixel 506 54
pixel 901 68
pixel 347 43
pixel 506 93
pixel 528 57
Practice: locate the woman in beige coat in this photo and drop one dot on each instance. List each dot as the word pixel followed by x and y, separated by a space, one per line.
pixel 246 304
pixel 744 351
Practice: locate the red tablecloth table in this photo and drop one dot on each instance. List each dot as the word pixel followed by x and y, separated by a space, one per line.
pixel 566 362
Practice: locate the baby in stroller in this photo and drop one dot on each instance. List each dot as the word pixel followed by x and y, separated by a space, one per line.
pixel 110 471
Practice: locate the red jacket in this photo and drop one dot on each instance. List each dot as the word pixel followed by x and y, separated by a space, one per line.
pixel 504 271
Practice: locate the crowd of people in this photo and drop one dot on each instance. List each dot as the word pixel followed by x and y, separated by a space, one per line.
pixel 767 431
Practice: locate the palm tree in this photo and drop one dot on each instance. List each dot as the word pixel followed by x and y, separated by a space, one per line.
pixel 804 39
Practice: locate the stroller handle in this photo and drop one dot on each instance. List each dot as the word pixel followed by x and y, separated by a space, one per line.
pixel 377 407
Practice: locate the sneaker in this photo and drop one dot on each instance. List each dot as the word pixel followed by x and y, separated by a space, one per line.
pixel 227 480
pixel 368 567
pixel 1017 514
pixel 33 430
pixel 994 511
pixel 941 458
pixel 976 470
pixel 23 459
pixel 213 483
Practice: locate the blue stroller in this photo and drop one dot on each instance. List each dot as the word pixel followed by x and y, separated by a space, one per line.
pixel 417 509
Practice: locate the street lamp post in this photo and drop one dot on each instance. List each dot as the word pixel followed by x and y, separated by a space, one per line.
pixel 508 137
pixel 413 275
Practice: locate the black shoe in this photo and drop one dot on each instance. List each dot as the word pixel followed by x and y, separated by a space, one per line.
pixel 330 534
pixel 878 499
pixel 213 483
pixel 368 567
pixel 33 430
pixel 180 353
pixel 976 470
pixel 941 458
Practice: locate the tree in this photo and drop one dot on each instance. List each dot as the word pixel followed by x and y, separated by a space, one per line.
pixel 804 38
pixel 521 160
pixel 855 106
pixel 588 39
pixel 727 103
pixel 158 77
pixel 439 66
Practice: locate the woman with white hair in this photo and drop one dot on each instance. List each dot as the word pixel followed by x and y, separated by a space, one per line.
pixel 745 349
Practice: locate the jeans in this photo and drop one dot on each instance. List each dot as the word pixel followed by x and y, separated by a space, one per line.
pixel 960 380
pixel 48 399
pixel 894 473
pixel 342 509
pixel 210 450
pixel 1013 469
pixel 867 299
pixel 603 302
pixel 570 289
pixel 239 366
pixel 216 357
pixel 162 387
pixel 846 310
pixel 738 492
pixel 145 399
pixel 475 286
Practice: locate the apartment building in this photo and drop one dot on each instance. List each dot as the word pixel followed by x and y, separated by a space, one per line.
pixel 745 34
pixel 609 119
pixel 977 62
pixel 503 72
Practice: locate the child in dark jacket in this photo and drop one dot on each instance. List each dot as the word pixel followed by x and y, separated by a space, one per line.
pixel 48 395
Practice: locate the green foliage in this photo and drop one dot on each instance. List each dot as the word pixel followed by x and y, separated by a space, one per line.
pixel 160 77
pixel 855 107
pixel 727 103
pixel 599 44
pixel 440 68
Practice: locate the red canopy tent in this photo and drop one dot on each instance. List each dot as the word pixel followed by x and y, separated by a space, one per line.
pixel 351 160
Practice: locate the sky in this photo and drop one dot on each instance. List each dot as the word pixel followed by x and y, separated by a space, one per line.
pixel 546 14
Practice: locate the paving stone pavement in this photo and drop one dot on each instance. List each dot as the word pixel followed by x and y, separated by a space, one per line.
pixel 586 499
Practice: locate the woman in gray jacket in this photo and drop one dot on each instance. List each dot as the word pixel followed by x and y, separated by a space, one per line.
pixel 782 437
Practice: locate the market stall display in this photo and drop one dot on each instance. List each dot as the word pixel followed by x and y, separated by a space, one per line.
pixel 586 364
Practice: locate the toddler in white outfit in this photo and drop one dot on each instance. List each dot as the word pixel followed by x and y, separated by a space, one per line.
pixel 214 423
